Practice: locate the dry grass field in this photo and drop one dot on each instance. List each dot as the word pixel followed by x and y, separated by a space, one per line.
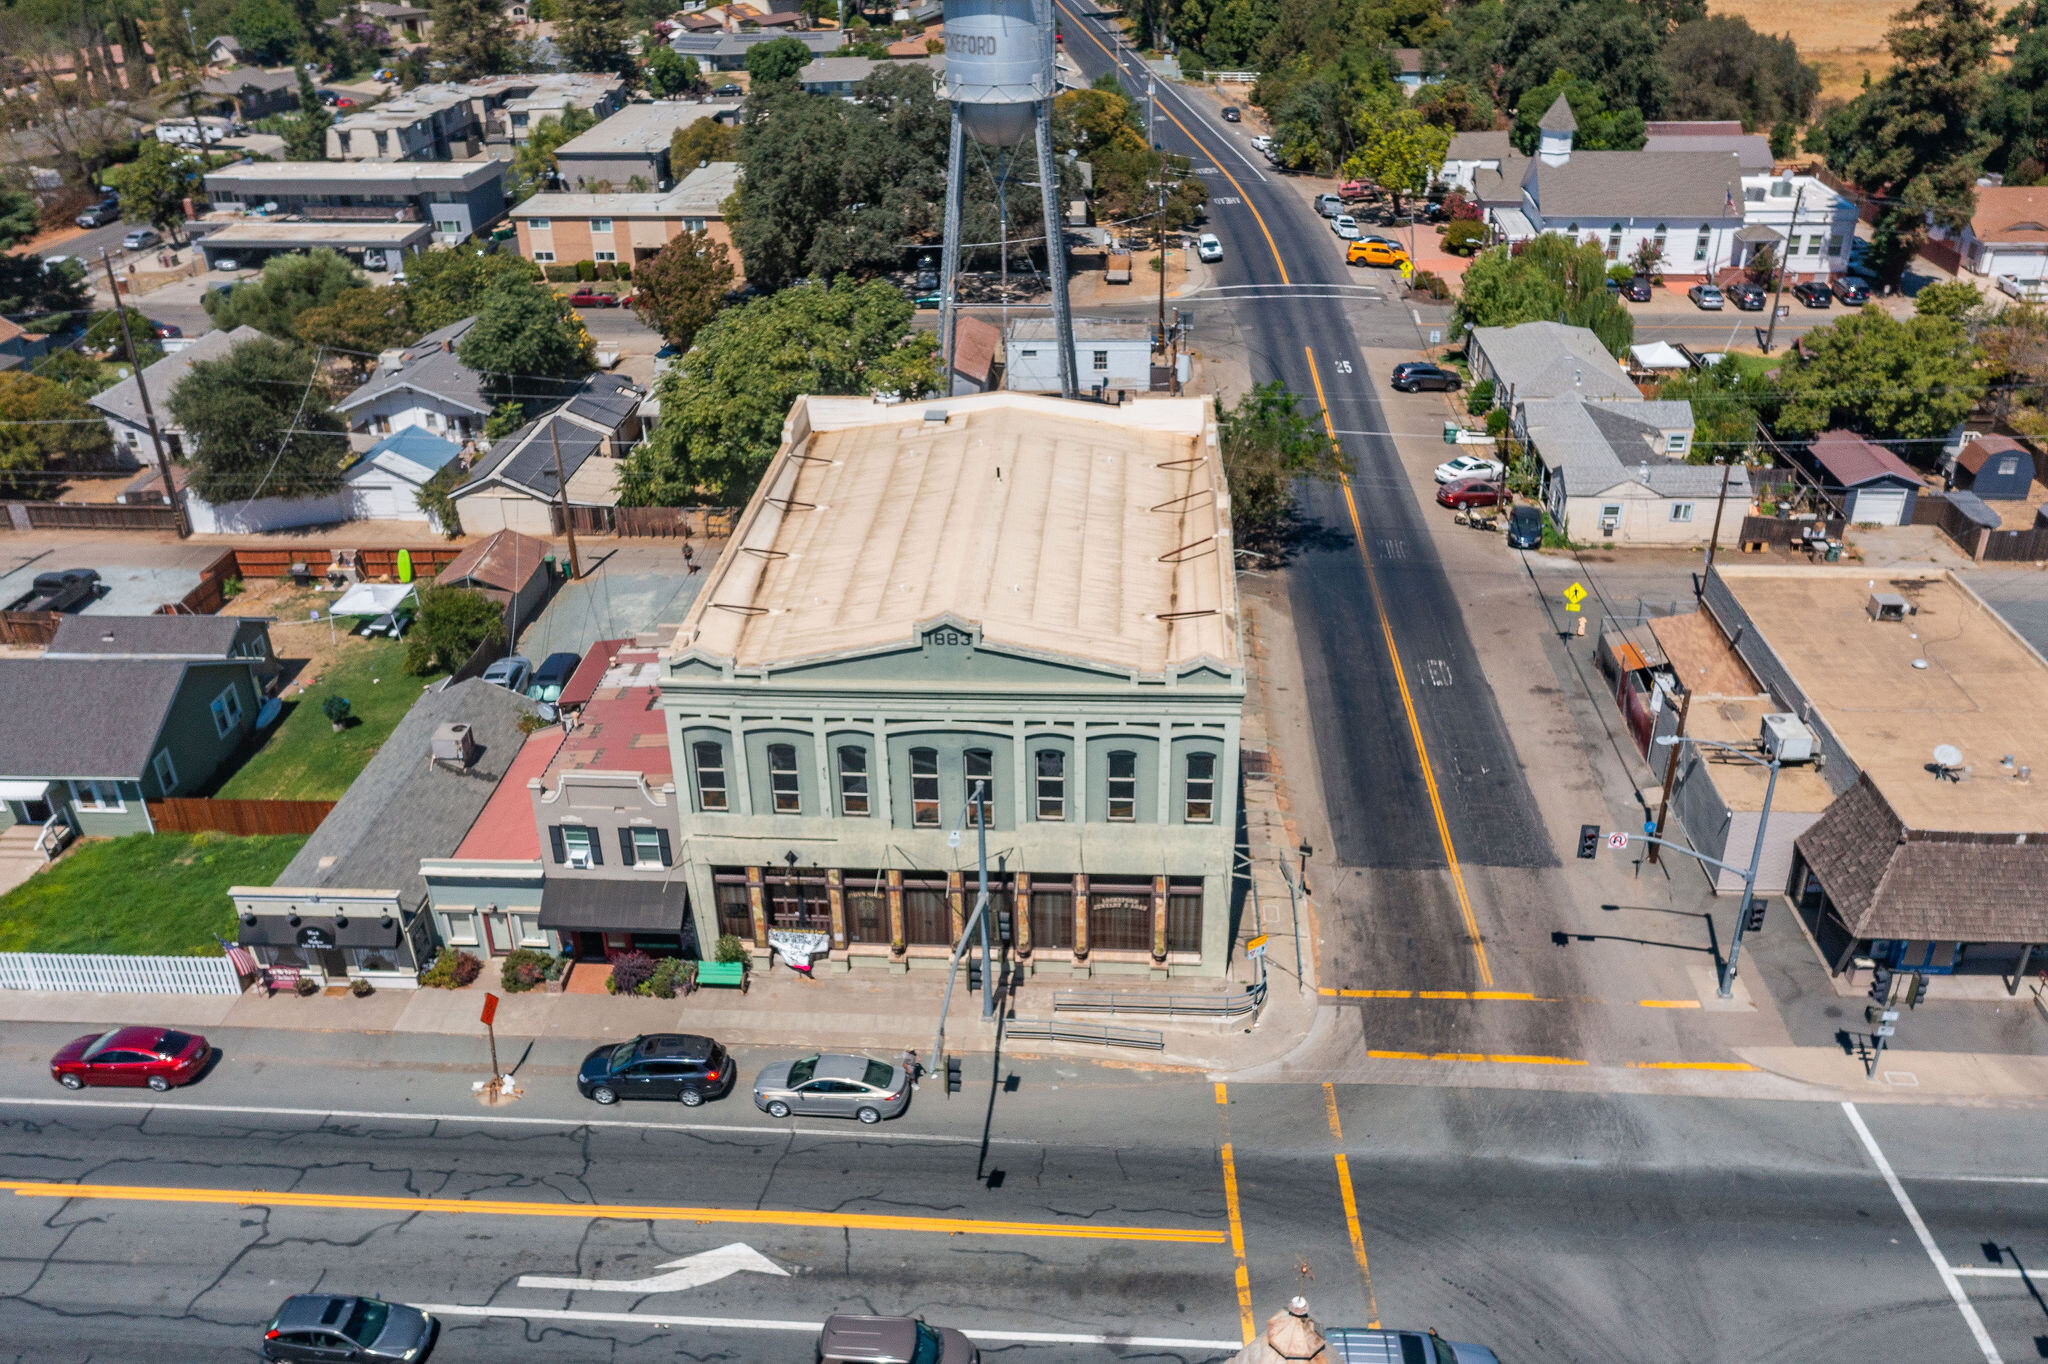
pixel 1844 38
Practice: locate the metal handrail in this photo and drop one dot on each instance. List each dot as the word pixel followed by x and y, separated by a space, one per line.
pixel 1204 1006
pixel 1060 1030
pixel 50 825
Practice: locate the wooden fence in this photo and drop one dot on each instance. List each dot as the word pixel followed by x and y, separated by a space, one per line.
pixel 86 516
pixel 2014 546
pixel 211 594
pixel 193 815
pixel 658 523
pixel 28 627
pixel 272 562
pixel 118 975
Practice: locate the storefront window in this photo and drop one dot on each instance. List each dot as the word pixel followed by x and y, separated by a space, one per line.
pixel 1184 917
pixel 1052 913
pixel 1120 915
pixel 458 927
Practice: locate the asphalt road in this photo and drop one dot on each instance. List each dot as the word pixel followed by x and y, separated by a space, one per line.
pixel 1061 1211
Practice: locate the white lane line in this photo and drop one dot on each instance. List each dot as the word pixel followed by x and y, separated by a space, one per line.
pixel 1941 1266
pixel 1116 45
pixel 500 1119
pixel 1982 1179
pixel 1975 1272
pixel 813 1327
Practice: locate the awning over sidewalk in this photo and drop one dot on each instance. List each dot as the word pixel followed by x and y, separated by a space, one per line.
pixel 318 930
pixel 620 906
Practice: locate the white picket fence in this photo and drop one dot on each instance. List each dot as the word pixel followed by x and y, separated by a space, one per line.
pixel 118 975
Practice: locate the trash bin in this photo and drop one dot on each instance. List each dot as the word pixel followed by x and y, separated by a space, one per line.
pixel 1834 551
pixel 1450 433
pixel 548 561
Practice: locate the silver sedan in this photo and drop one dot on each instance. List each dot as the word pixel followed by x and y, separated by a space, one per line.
pixel 833 1087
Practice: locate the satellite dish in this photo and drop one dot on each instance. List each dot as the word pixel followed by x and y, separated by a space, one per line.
pixel 1948 755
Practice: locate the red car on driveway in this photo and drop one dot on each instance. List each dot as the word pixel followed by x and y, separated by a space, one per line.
pixel 158 1057
pixel 591 298
pixel 1469 492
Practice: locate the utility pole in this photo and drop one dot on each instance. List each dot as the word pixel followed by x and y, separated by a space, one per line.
pixel 562 497
pixel 156 440
pixel 988 980
pixel 1784 263
pixel 1719 505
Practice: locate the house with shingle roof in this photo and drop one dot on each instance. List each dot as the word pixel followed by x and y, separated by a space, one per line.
pixel 2007 235
pixel 121 405
pixel 579 446
pixel 1616 473
pixel 1875 485
pixel 424 385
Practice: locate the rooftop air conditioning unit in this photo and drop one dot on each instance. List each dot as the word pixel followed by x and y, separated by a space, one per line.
pixel 1887 606
pixel 1786 739
pixel 453 743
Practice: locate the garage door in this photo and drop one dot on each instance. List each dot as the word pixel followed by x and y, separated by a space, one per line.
pixel 384 501
pixel 1881 506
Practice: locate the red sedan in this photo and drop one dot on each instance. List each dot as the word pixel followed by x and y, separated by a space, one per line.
pixel 1469 492
pixel 591 298
pixel 157 1057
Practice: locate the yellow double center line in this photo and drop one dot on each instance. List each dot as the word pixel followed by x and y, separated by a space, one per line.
pixel 636 1212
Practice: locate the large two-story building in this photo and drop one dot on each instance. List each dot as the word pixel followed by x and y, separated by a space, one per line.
pixel 999 610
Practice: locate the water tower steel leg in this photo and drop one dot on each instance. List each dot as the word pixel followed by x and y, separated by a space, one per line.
pixel 949 267
pixel 1056 249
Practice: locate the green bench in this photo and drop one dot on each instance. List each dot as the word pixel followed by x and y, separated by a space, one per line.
pixel 732 973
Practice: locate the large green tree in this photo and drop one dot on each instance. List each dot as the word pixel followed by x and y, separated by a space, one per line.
pixel 669 74
pixel 17 216
pixel 533 165
pixel 1615 45
pixel 259 423
pixel 524 336
pixel 2016 106
pixel 358 324
pixel 288 286
pixel 45 426
pixel 268 30
pixel 723 404
pixel 40 296
pixel 591 35
pixel 1727 400
pixel 777 61
pixel 472 38
pixel 705 139
pixel 680 290
pixel 1600 127
pixel 305 132
pixel 1721 68
pixel 1398 149
pixel 1551 279
pixel 1913 137
pixel 1268 443
pixel 153 190
pixel 445 285
pixel 1887 379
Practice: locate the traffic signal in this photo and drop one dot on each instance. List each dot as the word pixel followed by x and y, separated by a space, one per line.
pixel 973 973
pixel 1918 992
pixel 1589 840
pixel 953 1075
pixel 1753 922
pixel 1881 984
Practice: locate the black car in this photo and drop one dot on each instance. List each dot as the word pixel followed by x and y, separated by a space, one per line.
pixel 1232 114
pixel 1813 294
pixel 1851 291
pixel 1410 376
pixel 59 591
pixel 1750 298
pixel 1637 290
pixel 1525 526
pixel 727 92
pixel 659 1065
pixel 330 1327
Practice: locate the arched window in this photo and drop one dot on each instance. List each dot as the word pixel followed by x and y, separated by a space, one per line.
pixel 1662 233
pixel 1052 784
pixel 979 775
pixel 1123 786
pixel 782 779
pixel 924 787
pixel 710 774
pixel 853 780
pixel 1614 242
pixel 1706 240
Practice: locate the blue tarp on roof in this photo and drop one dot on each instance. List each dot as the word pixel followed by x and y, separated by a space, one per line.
pixel 419 445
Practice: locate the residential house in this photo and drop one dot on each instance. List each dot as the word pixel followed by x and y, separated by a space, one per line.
pixel 250 93
pixel 633 144
pixel 1411 73
pixel 85 741
pixel 1996 468
pixel 386 483
pixel 509 568
pixel 578 446
pixel 485 895
pixel 1470 153
pixel 353 903
pixel 224 51
pixel 522 102
pixel 2006 238
pixel 841 76
pixel 1615 473
pixel 919 44
pixel 721 51
pixel 195 639
pixel 1110 356
pixel 1937 870
pixel 629 227
pixel 405 23
pixel 997 608
pixel 976 346
pixel 17 346
pixel 121 405
pixel 425 386
pixel 1537 360
pixel 426 123
pixel 1876 487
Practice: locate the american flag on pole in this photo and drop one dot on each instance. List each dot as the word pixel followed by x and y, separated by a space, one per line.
pixel 1731 196
pixel 239 958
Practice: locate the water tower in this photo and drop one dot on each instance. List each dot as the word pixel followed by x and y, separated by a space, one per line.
pixel 1000 84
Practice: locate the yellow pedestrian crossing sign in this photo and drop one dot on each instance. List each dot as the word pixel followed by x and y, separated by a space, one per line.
pixel 1574 595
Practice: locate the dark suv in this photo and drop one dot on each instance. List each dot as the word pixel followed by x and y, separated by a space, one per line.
pixel 1851 290
pixel 1413 375
pixel 659 1065
pixel 1812 293
pixel 1636 289
pixel 1746 296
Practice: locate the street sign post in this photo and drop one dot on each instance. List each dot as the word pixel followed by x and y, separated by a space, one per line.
pixel 1573 596
pixel 496 1084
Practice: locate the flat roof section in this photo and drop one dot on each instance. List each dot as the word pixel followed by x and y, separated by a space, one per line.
pixel 505 830
pixel 1802 788
pixel 622 730
pixel 301 236
pixel 1982 689
pixel 1066 529
pixel 644 128
pixel 359 176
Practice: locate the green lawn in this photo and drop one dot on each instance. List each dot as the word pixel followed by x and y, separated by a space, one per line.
pixel 303 758
pixel 162 895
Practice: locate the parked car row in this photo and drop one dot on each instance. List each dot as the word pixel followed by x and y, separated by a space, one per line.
pixel 689 1069
pixel 1469 481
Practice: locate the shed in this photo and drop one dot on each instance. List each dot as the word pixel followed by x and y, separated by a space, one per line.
pixel 1996 468
pixel 1879 487
pixel 975 343
pixel 509 568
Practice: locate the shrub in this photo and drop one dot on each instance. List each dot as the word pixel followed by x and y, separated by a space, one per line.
pixel 230 588
pixel 525 968
pixel 1431 283
pixel 586 270
pixel 336 709
pixel 1191 68
pixel 630 970
pixel 1463 236
pixel 450 970
pixel 1497 422
pixel 360 987
pixel 672 975
pixel 625 269
pixel 307 986
pixel 607 271
pixel 730 948
pixel 558 274
pixel 1479 397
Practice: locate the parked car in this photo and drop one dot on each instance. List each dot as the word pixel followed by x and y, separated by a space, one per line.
pixel 1232 114
pixel 1375 252
pixel 1329 205
pixel 161 1058
pixel 1359 1345
pixel 1468 466
pixel 332 1327
pixel 1636 289
pixel 225 263
pixel 1208 248
pixel 727 92
pixel 1262 141
pixel 99 215
pixel 165 330
pixel 1525 526
pixel 660 1065
pixel 1851 290
pixel 1746 296
pixel 849 1339
pixel 1813 294
pixel 141 238
pixel 834 1086
pixel 1706 296
pixel 549 678
pixel 510 673
pixel 591 298
pixel 1413 375
pixel 1469 492
pixel 1345 226
pixel 59 590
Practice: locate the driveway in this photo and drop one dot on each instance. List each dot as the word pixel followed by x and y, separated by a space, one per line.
pixel 136 575
pixel 626 589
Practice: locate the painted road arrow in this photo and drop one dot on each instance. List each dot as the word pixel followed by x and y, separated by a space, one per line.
pixel 692 1271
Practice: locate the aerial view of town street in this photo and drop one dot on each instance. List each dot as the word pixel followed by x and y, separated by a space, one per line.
pixel 1024 681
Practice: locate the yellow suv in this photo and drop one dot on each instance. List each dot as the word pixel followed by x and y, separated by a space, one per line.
pixel 1375 253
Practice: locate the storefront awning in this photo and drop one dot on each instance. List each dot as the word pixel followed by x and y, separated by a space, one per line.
pixel 24 790
pixel 318 930
pixel 620 906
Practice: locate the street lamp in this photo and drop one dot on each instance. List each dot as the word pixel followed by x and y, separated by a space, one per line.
pixel 1756 852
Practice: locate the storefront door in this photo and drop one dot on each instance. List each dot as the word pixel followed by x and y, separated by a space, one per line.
pixel 334 963
pixel 497 937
